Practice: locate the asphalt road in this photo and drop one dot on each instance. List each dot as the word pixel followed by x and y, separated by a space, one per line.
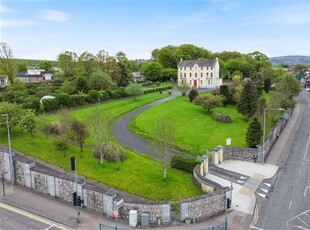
pixel 288 206
pixel 15 218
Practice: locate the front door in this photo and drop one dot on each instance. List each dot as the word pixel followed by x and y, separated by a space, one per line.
pixel 195 83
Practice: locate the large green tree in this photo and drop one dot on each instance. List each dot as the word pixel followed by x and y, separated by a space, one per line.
pixel 152 71
pixel 46 65
pixel 8 65
pixel 254 133
pixel 67 62
pixel 247 104
pixel 134 89
pixel 99 80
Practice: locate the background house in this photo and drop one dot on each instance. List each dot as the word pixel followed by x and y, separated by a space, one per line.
pixel 199 73
pixel 137 76
pixel 35 76
pixel 3 81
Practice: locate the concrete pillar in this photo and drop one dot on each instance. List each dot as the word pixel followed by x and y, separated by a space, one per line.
pixel 220 153
pixel 7 166
pixel 204 167
pixel 215 156
pixel 27 173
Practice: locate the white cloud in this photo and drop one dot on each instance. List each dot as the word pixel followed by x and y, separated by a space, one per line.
pixel 54 15
pixel 4 9
pixel 16 23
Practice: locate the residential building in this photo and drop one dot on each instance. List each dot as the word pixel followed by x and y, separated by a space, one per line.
pixel 35 76
pixel 137 76
pixel 199 73
pixel 3 81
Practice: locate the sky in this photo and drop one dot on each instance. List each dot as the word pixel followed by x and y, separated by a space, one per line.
pixel 43 29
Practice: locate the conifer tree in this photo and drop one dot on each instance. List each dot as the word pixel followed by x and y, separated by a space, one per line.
pixel 254 133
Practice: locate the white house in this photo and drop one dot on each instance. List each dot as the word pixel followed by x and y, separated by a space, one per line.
pixel 35 76
pixel 199 73
pixel 137 76
pixel 3 81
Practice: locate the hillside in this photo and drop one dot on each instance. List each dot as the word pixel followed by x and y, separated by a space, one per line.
pixel 290 60
pixel 32 61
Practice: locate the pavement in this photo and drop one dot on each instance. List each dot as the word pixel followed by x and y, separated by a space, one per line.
pixel 239 217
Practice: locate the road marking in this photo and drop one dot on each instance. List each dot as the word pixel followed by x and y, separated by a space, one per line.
pixel 302 221
pixel 262 195
pixel 305 191
pixel 289 207
pixel 255 214
pixel 242 178
pixel 300 170
pixel 307 147
pixel 265 190
pixel 33 216
pixel 240 182
pixel 300 227
pixel 305 212
pixel 256 228
pixel 269 185
pixel 50 227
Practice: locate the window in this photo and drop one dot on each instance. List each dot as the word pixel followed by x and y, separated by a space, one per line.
pixel 211 74
pixel 190 68
pixel 201 68
pixel 190 82
pixel 207 67
pixel 180 74
pixel 190 74
pixel 209 82
pixel 201 75
pixel 195 74
pixel 207 74
pixel 200 82
pixel 211 68
pixel 184 74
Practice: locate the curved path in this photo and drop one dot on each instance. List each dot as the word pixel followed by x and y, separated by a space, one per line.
pixel 124 135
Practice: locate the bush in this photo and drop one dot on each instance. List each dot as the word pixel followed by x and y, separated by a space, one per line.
pixel 192 94
pixel 50 104
pixel 32 103
pixel 63 99
pixel 184 164
pixel 111 152
pixel 77 99
pixel 222 117
pixel 113 94
pixel 94 96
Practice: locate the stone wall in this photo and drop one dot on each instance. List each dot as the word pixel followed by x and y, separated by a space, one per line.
pixel 60 184
pixel 242 154
pixel 203 206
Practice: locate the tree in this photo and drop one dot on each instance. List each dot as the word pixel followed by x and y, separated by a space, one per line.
pixel 125 73
pixel 28 123
pixel 86 64
pixel 99 125
pixel 134 89
pixel 209 102
pixel 80 133
pixel 267 85
pixel 14 114
pixel 46 65
pixel 67 62
pixel 8 65
pixel 167 57
pixel 152 71
pixel 22 67
pixel 183 88
pixel 99 80
pixel 120 56
pixel 164 136
pixel 254 133
pixel 192 94
pixel 247 104
pixel 16 92
pixel 225 93
pixel 170 74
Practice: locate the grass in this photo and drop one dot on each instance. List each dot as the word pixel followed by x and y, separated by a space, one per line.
pixel 138 174
pixel 196 130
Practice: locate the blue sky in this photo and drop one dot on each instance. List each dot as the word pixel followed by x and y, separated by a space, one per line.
pixel 42 29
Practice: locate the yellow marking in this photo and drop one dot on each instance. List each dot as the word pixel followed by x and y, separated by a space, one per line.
pixel 255 214
pixel 33 216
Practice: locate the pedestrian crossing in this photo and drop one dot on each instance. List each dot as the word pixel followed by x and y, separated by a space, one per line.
pixel 242 180
pixel 264 190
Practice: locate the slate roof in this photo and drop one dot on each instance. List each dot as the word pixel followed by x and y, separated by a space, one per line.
pixel 200 63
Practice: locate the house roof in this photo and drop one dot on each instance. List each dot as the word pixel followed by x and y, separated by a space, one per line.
pixel 200 63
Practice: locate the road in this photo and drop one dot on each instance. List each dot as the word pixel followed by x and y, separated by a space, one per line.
pixel 15 218
pixel 288 206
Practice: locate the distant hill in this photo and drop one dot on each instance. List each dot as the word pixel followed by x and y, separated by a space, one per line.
pixel 32 61
pixel 290 60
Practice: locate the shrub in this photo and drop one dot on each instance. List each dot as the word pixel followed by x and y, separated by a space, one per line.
pixel 192 94
pixel 222 117
pixel 50 104
pixel 216 92
pixel 32 103
pixel 63 99
pixel 184 164
pixel 111 152
pixel 209 102
pixel 77 99
pixel 94 95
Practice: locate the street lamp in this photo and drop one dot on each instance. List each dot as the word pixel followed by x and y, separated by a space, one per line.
pixel 264 133
pixel 99 101
pixel 10 151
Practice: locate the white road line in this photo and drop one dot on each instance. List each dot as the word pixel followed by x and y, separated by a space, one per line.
pixel 302 221
pixel 50 227
pixel 269 185
pixel 256 228
pixel 305 191
pixel 262 195
pixel 289 207
pixel 265 190
pixel 305 212
pixel 300 227
pixel 307 147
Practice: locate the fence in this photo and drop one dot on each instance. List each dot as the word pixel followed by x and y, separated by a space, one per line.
pixel 107 227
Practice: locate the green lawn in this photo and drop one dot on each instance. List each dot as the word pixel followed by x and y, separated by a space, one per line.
pixel 138 175
pixel 196 131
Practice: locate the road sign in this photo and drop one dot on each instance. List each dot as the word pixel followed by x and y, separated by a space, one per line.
pixel 119 204
pixel 228 141
pixel 115 213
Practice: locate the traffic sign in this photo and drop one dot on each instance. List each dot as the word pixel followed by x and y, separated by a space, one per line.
pixel 120 204
pixel 115 213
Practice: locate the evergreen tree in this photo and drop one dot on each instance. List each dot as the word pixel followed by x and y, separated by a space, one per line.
pixel 225 93
pixel 267 85
pixel 254 133
pixel 247 104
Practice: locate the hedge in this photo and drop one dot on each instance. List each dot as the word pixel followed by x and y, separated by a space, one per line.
pixel 158 89
pixel 184 164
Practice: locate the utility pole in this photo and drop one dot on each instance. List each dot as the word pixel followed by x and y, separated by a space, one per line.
pixel 75 196
pixel 10 150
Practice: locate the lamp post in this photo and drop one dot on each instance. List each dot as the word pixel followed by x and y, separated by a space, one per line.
pixel 99 101
pixel 10 151
pixel 264 132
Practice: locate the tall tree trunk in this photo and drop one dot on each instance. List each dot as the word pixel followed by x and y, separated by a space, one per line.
pixel 165 172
